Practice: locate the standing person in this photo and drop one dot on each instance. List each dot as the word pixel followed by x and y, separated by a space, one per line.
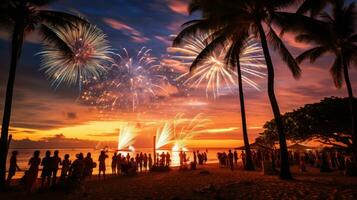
pixel 181 158
pixel 114 163
pixel 184 158
pixel 235 157
pixel 168 159
pixel 145 161
pixel 56 160
pixel 205 156
pixel 13 166
pixel 66 164
pixel 242 155
pixel 150 161
pixel 194 157
pixel 119 161
pixel 141 160
pixel 46 164
pixel 128 157
pixel 77 169
pixel 32 172
pixel 88 165
pixel 101 160
pixel 230 159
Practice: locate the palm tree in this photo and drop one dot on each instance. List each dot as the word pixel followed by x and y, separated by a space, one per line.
pixel 335 32
pixel 223 39
pixel 313 7
pixel 22 17
pixel 236 19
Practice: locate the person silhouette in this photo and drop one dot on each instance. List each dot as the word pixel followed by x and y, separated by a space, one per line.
pixel 13 167
pixel 32 173
pixel 66 163
pixel 77 169
pixel 46 164
pixel 101 160
pixel 150 161
pixel 230 159
pixel 88 165
pixel 145 162
pixel 168 159
pixel 119 162
pixel 55 161
pixel 114 163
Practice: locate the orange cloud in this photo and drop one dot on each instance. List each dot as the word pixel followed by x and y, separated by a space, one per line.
pixel 135 35
pixel 178 6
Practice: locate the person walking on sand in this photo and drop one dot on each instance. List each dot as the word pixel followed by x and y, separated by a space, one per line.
pixel 230 159
pixel 46 164
pixel 55 161
pixel 32 173
pixel 66 164
pixel 114 163
pixel 13 167
pixel 101 160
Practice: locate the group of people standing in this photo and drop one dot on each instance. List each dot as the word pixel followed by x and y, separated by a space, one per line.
pixel 229 159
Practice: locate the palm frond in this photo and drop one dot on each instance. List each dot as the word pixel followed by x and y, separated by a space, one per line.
pixel 51 38
pixel 220 41
pixel 311 54
pixel 191 29
pixel 57 18
pixel 336 72
pixel 279 45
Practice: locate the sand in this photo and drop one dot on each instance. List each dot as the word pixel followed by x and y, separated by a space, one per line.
pixel 209 182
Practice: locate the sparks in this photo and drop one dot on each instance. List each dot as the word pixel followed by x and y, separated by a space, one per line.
pixel 127 136
pixel 89 56
pixel 130 81
pixel 213 72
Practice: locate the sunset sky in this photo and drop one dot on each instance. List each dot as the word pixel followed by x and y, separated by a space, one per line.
pixel 41 111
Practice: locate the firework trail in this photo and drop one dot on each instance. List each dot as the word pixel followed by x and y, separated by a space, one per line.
pixel 127 135
pixel 164 135
pixel 89 56
pixel 130 81
pixel 213 72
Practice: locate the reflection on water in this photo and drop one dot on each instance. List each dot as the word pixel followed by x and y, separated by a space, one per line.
pixel 25 154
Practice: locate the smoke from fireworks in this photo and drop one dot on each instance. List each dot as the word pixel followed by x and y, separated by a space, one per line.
pixel 90 53
pixel 126 137
pixel 213 71
pixel 130 81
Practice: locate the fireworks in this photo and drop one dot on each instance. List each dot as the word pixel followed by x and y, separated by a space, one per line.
pixel 90 53
pixel 127 136
pixel 213 71
pixel 164 135
pixel 130 81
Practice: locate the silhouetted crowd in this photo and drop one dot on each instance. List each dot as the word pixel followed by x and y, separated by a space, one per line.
pixel 72 173
pixel 326 160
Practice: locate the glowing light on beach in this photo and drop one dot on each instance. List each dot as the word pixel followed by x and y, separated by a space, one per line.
pixel 127 136
pixel 179 146
pixel 89 56
pixel 164 135
pixel 130 81
pixel 213 72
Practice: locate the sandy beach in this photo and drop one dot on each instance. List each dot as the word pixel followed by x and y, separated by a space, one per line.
pixel 208 182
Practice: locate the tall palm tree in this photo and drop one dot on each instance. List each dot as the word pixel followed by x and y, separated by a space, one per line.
pixel 235 19
pixel 22 17
pixel 335 32
pixel 313 7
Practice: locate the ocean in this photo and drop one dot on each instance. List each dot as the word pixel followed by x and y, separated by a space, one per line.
pixel 25 154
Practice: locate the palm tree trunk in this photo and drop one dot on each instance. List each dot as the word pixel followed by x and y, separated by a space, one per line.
pixel 284 168
pixel 16 45
pixel 352 107
pixel 249 162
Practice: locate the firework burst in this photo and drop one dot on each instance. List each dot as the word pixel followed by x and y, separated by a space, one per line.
pixel 126 137
pixel 90 53
pixel 213 72
pixel 164 134
pixel 130 81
